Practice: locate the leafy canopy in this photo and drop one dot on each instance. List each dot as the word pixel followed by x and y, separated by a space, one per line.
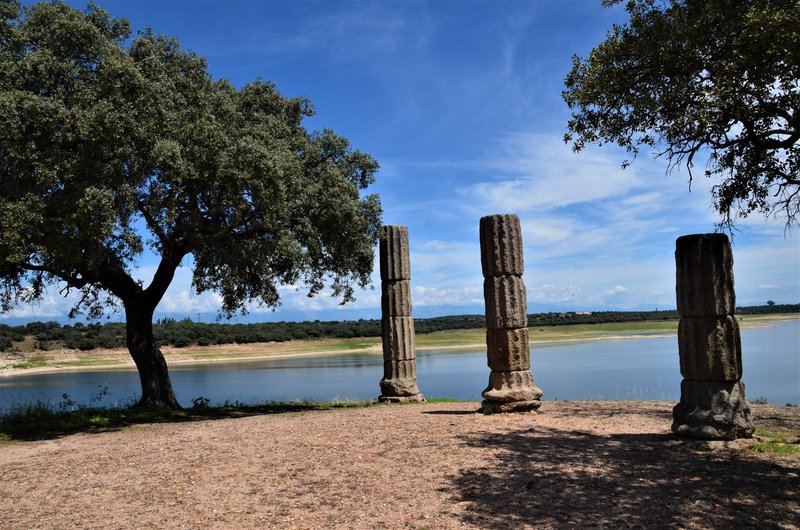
pixel 112 145
pixel 719 78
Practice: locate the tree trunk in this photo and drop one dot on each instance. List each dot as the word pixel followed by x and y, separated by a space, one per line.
pixel 156 386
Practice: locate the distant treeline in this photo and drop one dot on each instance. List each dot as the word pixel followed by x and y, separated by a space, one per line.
pixel 181 333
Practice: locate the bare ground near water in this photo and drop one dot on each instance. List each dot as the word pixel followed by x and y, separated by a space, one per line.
pixel 575 464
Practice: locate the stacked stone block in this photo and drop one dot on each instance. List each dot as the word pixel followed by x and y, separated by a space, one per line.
pixel 713 403
pixel 399 381
pixel 511 385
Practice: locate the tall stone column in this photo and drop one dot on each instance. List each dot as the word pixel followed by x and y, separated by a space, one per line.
pixel 511 385
pixel 399 383
pixel 713 404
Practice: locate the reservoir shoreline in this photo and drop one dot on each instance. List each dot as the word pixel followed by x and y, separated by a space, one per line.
pixel 118 359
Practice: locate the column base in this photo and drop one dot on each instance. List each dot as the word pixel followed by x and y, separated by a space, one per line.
pixel 399 386
pixel 511 387
pixel 712 410
pixel 418 398
pixel 494 407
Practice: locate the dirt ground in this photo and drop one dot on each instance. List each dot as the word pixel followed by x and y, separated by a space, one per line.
pixel 575 464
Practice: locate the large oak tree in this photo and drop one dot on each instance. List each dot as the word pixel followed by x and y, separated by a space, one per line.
pixel 113 146
pixel 716 78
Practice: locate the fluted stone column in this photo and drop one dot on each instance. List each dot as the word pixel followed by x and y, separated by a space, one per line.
pixel 713 404
pixel 511 385
pixel 399 381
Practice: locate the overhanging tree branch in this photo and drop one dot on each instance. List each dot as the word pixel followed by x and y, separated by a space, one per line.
pixel 700 76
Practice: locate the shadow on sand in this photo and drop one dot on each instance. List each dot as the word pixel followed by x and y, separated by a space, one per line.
pixel 551 478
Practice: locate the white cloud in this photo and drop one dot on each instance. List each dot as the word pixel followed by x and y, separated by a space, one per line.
pixel 615 290
pixel 434 296
pixel 52 305
pixel 349 34
pixel 539 172
pixel 186 301
pixel 446 263
pixel 549 293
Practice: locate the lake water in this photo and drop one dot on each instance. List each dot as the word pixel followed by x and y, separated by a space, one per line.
pixel 625 369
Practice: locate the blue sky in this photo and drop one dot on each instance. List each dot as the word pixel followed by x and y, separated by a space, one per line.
pixel 460 102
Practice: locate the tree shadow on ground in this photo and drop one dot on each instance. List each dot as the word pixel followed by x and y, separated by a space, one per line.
pixel 544 477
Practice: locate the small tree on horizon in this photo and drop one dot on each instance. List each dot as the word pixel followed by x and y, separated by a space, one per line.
pixel 112 146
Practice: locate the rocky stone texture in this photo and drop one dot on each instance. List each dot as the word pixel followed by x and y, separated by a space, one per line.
pixel 399 379
pixel 398 339
pixel 710 348
pixel 712 410
pixel 493 407
pixel 393 253
pixel 506 302
pixel 508 349
pixel 704 266
pixel 511 387
pixel 505 387
pixel 396 297
pixel 713 405
pixel 501 246
pixel 399 383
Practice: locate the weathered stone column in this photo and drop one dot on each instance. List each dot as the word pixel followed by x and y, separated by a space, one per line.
pixel 511 385
pixel 713 404
pixel 399 383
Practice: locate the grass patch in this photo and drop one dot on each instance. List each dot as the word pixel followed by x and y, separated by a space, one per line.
pixel 87 362
pixel 783 443
pixel 360 344
pixel 455 337
pixel 445 400
pixel 36 421
pixel 487 408
pixel 477 337
pixel 36 361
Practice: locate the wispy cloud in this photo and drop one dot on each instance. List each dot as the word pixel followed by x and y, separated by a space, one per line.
pixel 539 172
pixel 435 296
pixel 446 263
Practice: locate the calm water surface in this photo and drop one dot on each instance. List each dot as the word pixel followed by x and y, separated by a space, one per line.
pixel 626 369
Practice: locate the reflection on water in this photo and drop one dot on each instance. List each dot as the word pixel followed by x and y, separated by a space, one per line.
pixel 626 369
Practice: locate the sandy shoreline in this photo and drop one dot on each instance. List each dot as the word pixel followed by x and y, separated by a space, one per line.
pixel 126 363
pixel 235 353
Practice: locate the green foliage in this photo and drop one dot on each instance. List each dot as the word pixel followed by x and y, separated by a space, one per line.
pixel 769 309
pixel 200 402
pixel 185 333
pixel 684 77
pixel 103 134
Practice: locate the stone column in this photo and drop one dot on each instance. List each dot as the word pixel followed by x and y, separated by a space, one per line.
pixel 511 385
pixel 399 383
pixel 713 404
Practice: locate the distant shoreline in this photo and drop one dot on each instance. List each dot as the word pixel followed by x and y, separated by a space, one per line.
pixel 119 359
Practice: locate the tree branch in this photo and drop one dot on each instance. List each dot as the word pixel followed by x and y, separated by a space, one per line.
pixel 152 223
pixel 162 279
pixel 72 279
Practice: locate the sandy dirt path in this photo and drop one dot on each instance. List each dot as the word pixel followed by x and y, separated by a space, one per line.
pixel 576 464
